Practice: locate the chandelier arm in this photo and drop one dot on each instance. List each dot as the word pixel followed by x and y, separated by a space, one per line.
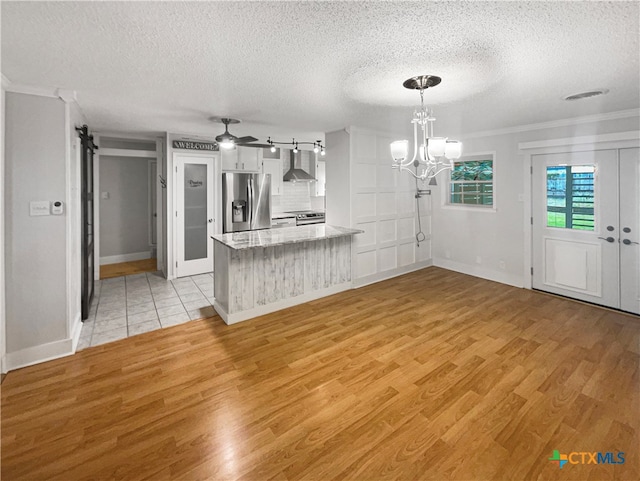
pixel 442 169
pixel 425 141
pixel 405 168
pixel 415 144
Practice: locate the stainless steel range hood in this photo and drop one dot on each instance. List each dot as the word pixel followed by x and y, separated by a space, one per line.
pixel 295 173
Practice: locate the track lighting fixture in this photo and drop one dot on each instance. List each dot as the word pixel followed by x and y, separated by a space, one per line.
pixel 317 145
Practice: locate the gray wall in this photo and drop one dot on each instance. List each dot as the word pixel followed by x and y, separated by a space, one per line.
pixel 35 247
pixel 124 216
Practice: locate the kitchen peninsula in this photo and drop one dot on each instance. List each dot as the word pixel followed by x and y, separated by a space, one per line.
pixel 263 271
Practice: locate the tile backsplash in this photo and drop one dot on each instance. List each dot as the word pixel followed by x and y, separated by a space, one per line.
pixel 295 196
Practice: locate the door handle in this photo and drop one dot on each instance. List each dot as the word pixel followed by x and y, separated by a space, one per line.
pixel 608 239
pixel 628 242
pixel 210 221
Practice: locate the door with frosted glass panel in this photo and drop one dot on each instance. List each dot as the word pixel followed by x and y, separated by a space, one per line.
pixel 194 214
pixel 586 222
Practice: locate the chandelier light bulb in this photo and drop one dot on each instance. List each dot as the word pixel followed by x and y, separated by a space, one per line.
pixel 273 148
pixel 399 150
pixel 436 146
pixel 322 152
pixel 315 148
pixel 453 149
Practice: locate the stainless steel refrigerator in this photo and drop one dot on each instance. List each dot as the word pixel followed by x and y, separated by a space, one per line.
pixel 246 202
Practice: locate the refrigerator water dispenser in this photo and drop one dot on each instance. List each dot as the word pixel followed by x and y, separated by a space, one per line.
pixel 239 208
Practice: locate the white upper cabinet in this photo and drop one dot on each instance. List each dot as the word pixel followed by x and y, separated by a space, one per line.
pixel 317 169
pixel 272 164
pixel 242 159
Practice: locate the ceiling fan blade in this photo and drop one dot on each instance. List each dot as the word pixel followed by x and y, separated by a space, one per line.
pixel 264 146
pixel 246 139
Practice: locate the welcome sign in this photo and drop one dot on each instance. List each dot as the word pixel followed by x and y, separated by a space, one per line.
pixel 190 145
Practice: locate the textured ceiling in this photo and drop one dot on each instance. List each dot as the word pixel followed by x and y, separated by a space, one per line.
pixel 301 68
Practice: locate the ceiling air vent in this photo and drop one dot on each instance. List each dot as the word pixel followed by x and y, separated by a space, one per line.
pixel 586 95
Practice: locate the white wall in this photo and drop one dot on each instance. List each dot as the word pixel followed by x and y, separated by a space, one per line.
pixel 74 118
pixel 3 347
pixel 365 193
pixel 124 216
pixel 338 171
pixel 495 236
pixel 35 246
pixel 42 254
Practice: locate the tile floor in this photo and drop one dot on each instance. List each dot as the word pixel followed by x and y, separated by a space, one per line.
pixel 129 305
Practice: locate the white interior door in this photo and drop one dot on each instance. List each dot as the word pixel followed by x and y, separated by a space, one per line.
pixel 586 220
pixel 194 214
pixel 575 225
pixel 630 230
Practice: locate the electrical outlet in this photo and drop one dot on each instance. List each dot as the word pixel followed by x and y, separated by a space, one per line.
pixel 478 260
pixel 447 254
pixel 502 265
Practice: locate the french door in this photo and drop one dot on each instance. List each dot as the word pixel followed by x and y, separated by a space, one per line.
pixel 586 226
pixel 194 214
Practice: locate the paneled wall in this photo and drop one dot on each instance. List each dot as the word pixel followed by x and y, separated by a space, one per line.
pixel 380 201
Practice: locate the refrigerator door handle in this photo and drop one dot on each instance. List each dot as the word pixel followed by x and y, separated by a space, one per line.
pixel 250 202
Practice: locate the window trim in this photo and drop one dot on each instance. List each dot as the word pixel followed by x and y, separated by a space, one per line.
pixel 445 196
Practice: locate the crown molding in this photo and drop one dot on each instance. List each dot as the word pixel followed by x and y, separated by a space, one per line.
pixel 631 135
pixel 621 114
pixel 66 95
pixel 51 92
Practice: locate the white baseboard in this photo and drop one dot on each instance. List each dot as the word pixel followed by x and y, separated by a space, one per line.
pixel 382 276
pixel 135 256
pixel 37 354
pixel 479 271
pixel 279 305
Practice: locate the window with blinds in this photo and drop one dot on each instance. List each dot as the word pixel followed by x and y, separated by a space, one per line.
pixel 570 197
pixel 472 183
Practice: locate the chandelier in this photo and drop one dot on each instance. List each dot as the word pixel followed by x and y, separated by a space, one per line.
pixel 431 155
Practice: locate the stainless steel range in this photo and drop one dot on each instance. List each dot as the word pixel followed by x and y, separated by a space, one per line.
pixel 305 217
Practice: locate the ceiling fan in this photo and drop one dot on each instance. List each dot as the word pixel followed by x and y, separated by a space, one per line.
pixel 227 140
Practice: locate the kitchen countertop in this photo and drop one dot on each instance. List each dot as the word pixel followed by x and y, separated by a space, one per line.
pixel 283 235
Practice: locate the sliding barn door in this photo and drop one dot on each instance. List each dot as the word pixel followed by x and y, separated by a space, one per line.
pixel 87 241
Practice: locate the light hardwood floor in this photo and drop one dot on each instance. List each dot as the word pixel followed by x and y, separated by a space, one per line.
pixel 433 375
pixel 128 268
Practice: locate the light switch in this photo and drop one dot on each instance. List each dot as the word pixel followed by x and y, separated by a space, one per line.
pixel 39 207
pixel 104 195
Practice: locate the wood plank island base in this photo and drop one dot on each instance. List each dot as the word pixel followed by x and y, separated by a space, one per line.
pixel 258 272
